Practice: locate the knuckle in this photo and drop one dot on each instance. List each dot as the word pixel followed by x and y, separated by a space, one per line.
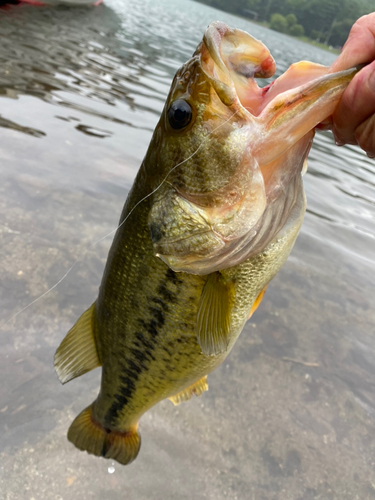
pixel 344 136
pixel 365 135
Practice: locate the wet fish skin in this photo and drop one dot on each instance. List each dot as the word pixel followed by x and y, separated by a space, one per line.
pixel 232 183
pixel 150 350
pixel 156 332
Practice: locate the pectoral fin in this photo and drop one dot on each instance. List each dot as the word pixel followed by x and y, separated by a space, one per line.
pixel 214 315
pixel 77 353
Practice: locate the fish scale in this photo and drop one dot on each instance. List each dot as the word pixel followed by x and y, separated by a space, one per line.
pixel 139 332
pixel 199 240
pixel 153 353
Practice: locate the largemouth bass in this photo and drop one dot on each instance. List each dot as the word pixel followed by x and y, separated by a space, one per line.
pixel 211 218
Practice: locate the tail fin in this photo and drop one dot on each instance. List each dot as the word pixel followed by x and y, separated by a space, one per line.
pixel 88 435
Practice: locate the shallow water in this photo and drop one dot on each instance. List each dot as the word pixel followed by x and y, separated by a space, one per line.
pixel 291 414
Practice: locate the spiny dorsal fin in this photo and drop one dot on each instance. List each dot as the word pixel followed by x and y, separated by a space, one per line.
pixel 214 315
pixel 198 388
pixel 77 353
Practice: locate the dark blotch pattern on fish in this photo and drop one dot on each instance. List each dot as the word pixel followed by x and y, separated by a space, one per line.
pixel 173 277
pixel 105 448
pixel 140 355
pixel 156 233
pixel 161 303
pixel 167 295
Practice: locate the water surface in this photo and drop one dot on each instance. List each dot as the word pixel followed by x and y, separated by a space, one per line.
pixel 291 413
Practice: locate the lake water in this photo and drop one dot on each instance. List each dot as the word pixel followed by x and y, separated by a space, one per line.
pixel 291 413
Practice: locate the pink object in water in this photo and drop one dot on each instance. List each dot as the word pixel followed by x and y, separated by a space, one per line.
pixel 62 2
pixel 33 2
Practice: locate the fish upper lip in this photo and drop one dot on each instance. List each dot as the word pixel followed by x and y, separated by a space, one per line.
pixel 231 59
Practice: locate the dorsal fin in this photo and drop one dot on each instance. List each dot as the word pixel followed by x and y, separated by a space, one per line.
pixel 214 314
pixel 77 353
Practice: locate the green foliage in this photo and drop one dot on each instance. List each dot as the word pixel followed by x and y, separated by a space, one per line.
pixel 287 24
pixel 291 20
pixel 278 23
pixel 317 35
pixel 340 32
pixel 326 20
pixel 235 6
pixel 296 30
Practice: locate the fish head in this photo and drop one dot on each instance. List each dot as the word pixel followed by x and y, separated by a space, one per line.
pixel 212 189
pixel 208 164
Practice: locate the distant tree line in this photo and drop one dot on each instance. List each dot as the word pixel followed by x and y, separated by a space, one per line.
pixel 327 21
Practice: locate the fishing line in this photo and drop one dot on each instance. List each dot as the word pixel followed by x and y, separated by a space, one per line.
pixel 123 222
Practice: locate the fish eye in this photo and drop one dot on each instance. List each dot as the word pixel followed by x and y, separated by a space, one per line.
pixel 179 114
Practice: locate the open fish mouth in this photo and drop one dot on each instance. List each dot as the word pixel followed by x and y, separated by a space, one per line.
pixel 234 177
pixel 231 59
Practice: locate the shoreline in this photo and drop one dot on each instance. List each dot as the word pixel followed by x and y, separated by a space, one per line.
pixel 265 24
pixel 303 39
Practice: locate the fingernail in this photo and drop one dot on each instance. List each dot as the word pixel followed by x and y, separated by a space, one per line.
pixel 336 136
pixel 371 156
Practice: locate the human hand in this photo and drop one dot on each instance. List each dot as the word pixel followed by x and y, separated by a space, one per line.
pixel 353 122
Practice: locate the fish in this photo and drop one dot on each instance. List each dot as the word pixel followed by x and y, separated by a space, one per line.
pixel 212 216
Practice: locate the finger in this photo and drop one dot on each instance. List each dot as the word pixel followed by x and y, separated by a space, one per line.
pixel 365 135
pixel 360 45
pixel 356 105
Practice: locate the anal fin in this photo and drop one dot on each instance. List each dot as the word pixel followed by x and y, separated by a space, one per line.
pixel 257 302
pixel 77 353
pixel 214 315
pixel 198 388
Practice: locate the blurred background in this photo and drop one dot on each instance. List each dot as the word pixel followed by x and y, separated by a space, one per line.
pixel 322 22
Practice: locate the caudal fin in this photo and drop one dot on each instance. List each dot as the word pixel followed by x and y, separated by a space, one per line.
pixel 88 435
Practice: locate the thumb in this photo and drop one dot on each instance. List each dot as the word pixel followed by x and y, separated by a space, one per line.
pixel 360 45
